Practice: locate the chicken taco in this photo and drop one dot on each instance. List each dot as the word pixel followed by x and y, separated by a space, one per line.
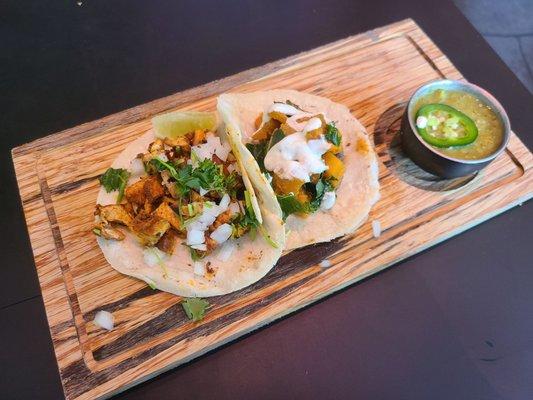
pixel 177 210
pixel 313 153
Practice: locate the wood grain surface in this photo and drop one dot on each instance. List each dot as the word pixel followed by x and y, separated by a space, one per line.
pixel 373 74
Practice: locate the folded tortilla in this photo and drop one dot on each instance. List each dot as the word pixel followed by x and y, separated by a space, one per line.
pixel 359 188
pixel 251 259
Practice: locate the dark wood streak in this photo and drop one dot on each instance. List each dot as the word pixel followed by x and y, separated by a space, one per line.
pixel 60 247
pixel 62 188
pixel 79 377
pixel 56 329
pixel 69 186
pixel 122 303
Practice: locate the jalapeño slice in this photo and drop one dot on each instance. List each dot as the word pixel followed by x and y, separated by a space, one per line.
pixel 443 126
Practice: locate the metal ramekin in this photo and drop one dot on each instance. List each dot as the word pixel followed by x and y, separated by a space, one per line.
pixel 425 156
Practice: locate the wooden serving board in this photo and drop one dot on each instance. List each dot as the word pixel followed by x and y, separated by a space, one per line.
pixel 373 74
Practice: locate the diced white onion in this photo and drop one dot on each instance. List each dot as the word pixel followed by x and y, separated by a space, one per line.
pixel 202 247
pixel 213 145
pixel 137 167
pixel 328 201
pixel 234 207
pixel 325 263
pixel 222 151
pixel 203 192
pixel 222 233
pixel 195 236
pixel 376 228
pixel 226 250
pixel 224 203
pixel 231 168
pixel 163 157
pixel 104 319
pixel 199 268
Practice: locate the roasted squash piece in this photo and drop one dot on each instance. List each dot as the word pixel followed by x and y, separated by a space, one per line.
pixel 286 186
pixel 278 116
pixel 266 130
pixel 258 121
pixel 287 129
pixel 336 168
pixel 316 133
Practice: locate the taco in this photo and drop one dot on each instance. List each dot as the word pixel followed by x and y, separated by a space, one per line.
pixel 313 153
pixel 177 210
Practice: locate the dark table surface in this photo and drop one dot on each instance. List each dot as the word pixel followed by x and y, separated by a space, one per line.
pixel 453 322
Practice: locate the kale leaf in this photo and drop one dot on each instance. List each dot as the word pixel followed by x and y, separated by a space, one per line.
pixel 332 134
pixel 260 150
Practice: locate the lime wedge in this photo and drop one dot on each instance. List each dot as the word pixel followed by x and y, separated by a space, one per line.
pixel 178 123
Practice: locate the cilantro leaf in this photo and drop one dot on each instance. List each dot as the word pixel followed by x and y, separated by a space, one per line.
pixel 115 179
pixel 332 134
pixel 206 175
pixel 195 308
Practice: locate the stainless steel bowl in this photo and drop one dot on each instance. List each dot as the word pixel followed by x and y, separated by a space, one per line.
pixel 425 155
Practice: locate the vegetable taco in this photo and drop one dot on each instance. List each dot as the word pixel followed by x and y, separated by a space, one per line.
pixel 177 210
pixel 316 157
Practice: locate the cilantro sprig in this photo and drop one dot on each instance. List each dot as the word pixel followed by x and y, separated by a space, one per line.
pixel 206 175
pixel 115 179
pixel 195 308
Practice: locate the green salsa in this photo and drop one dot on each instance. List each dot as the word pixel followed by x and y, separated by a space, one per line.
pixel 449 134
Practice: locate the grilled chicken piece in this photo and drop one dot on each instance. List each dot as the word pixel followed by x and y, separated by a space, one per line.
pixel 135 193
pixel 164 211
pixel 148 189
pixel 199 137
pixel 156 146
pixel 210 243
pixel 108 232
pixel 167 243
pixel 113 213
pixel 153 189
pixel 181 141
pixel 149 228
pixel 223 218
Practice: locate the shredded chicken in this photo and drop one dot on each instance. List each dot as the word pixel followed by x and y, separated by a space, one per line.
pixel 154 210
pixel 149 228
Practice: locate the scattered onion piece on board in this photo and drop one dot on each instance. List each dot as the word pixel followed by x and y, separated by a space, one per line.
pixel 376 228
pixel 104 319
